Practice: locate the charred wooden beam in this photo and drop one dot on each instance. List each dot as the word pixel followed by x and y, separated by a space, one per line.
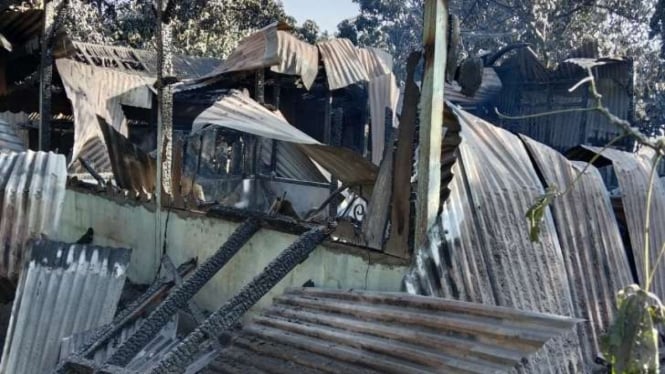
pixel 52 10
pixel 105 333
pixel 223 319
pixel 179 297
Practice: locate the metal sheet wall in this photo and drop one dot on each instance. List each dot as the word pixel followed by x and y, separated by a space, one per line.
pixel 33 192
pixel 64 289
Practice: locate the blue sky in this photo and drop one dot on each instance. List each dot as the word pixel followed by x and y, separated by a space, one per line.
pixel 326 13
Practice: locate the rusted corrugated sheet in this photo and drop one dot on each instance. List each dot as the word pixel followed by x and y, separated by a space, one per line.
pixel 480 250
pixel 140 61
pixel 276 48
pixel 633 172
pixel 343 163
pixel 346 331
pixel 9 141
pixel 342 64
pixel 100 91
pixel 33 191
pixel 64 289
pixel 593 250
pixel 133 169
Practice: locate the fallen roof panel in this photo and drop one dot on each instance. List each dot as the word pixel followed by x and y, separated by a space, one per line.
pixel 133 169
pixel 100 91
pixel 33 192
pixel 343 66
pixel 480 250
pixel 314 330
pixel 633 173
pixel 64 289
pixel 593 250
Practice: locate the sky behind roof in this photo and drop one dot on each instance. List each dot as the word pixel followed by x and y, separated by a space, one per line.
pixel 326 13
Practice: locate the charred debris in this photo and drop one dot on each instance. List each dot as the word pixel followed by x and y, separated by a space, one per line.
pixel 319 141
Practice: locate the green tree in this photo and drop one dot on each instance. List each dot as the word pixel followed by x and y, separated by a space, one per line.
pixel 309 31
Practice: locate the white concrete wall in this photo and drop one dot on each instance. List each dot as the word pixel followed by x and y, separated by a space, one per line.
pixel 126 225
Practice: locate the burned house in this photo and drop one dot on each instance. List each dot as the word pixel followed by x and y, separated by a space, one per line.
pixel 282 241
pixel 530 88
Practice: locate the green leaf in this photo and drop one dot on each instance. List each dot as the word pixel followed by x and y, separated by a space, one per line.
pixel 631 344
pixel 536 213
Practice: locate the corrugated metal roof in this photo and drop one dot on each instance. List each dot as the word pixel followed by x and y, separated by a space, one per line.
pixel 9 141
pixel 141 61
pixel 593 250
pixel 64 289
pixel 342 64
pixel 291 161
pixel 133 169
pixel 376 62
pixel 345 164
pixel 276 48
pixel 239 112
pixel 633 172
pixel 100 91
pixel 347 331
pixel 33 192
pixel 480 250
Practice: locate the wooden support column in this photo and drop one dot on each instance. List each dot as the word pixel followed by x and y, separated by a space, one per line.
pixel 431 117
pixel 164 185
pixel 51 9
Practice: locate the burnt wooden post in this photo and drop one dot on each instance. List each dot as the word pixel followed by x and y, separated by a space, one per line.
pixel 260 88
pixel 51 9
pixel 164 181
pixel 431 117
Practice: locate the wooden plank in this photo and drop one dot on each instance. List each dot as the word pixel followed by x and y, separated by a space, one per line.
pixel 378 209
pixel 431 119
pixel 398 242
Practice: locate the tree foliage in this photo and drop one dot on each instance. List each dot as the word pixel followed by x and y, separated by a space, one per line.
pixel 200 27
